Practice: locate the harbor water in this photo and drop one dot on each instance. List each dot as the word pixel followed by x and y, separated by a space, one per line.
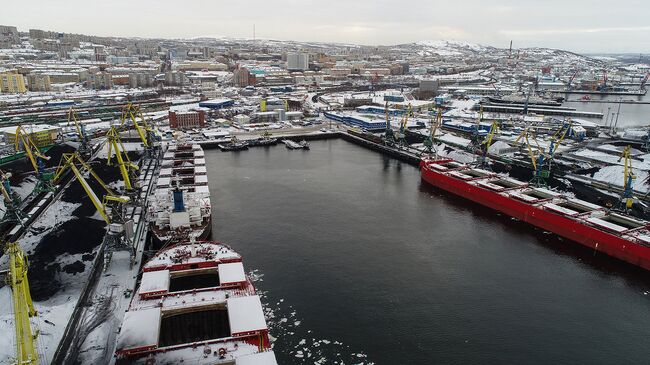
pixel 360 261
pixel 631 115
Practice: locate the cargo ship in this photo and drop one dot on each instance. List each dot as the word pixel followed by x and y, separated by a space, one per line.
pixel 195 305
pixel 180 208
pixel 603 230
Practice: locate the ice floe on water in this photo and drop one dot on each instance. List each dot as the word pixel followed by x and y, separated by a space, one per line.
pixel 289 335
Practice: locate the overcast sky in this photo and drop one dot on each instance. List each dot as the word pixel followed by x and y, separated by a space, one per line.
pixel 576 25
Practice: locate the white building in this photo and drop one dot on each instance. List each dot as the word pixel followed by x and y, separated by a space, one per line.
pixel 297 61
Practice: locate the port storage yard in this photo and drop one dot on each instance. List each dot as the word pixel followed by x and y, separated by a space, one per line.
pixel 252 211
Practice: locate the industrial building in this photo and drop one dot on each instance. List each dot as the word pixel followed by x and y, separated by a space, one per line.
pixel 217 103
pixel 42 134
pixel 187 119
pixel 356 121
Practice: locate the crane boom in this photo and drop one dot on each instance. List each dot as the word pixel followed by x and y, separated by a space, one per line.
pixel 124 163
pixel 133 112
pixel 72 118
pixel 627 199
pixel 32 151
pixel 69 160
pixel 26 352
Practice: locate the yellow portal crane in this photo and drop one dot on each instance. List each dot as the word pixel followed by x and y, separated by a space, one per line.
pixel 72 118
pixel 435 124
pixel 31 149
pixel 26 352
pixel 628 178
pixel 134 113
pixel 70 160
pixel 402 127
pixel 126 166
pixel 494 129
pixel 11 200
pixel 37 159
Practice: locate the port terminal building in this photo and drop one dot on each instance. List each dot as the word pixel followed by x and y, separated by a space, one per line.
pixel 357 120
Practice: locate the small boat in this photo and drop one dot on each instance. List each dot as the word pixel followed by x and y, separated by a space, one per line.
pixel 265 140
pixel 296 145
pixel 233 145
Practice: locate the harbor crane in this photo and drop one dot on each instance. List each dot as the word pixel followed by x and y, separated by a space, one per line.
pixel 11 200
pixel 540 159
pixel 475 143
pixel 110 208
pixel 429 142
pixel 486 143
pixel 627 198
pixel 127 168
pixel 644 81
pixel 389 134
pixel 401 135
pixel 23 307
pixel 145 132
pixel 37 159
pixel 81 131
pixel 568 85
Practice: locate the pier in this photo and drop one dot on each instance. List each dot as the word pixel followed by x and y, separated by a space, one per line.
pixel 543 111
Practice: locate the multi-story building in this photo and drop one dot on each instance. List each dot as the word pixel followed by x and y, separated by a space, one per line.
pixel 100 80
pixel 140 79
pixel 37 34
pixel 39 82
pixel 297 61
pixel 12 82
pixel 242 77
pixel 187 119
pixel 8 35
pixel 175 78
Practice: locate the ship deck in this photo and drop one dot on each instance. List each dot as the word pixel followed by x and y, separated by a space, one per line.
pixel 194 296
pixel 587 214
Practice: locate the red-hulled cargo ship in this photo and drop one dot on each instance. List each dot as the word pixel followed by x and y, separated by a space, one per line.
pixel 615 234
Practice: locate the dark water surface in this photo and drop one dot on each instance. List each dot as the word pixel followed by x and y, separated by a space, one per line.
pixel 364 263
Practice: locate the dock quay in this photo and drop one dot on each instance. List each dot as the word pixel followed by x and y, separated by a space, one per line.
pixel 596 92
pixel 543 111
pixel 406 155
pixel 107 293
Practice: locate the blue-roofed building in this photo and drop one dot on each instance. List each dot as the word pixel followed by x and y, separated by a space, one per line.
pixel 374 109
pixel 217 103
pixel 357 121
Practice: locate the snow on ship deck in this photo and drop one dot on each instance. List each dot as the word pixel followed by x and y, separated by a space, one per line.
pixel 183 171
pixel 195 304
pixel 591 215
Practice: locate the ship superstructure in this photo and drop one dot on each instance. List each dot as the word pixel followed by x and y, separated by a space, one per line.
pixel 180 208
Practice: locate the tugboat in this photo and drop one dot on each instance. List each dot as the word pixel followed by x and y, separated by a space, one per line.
pixel 263 141
pixel 233 145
